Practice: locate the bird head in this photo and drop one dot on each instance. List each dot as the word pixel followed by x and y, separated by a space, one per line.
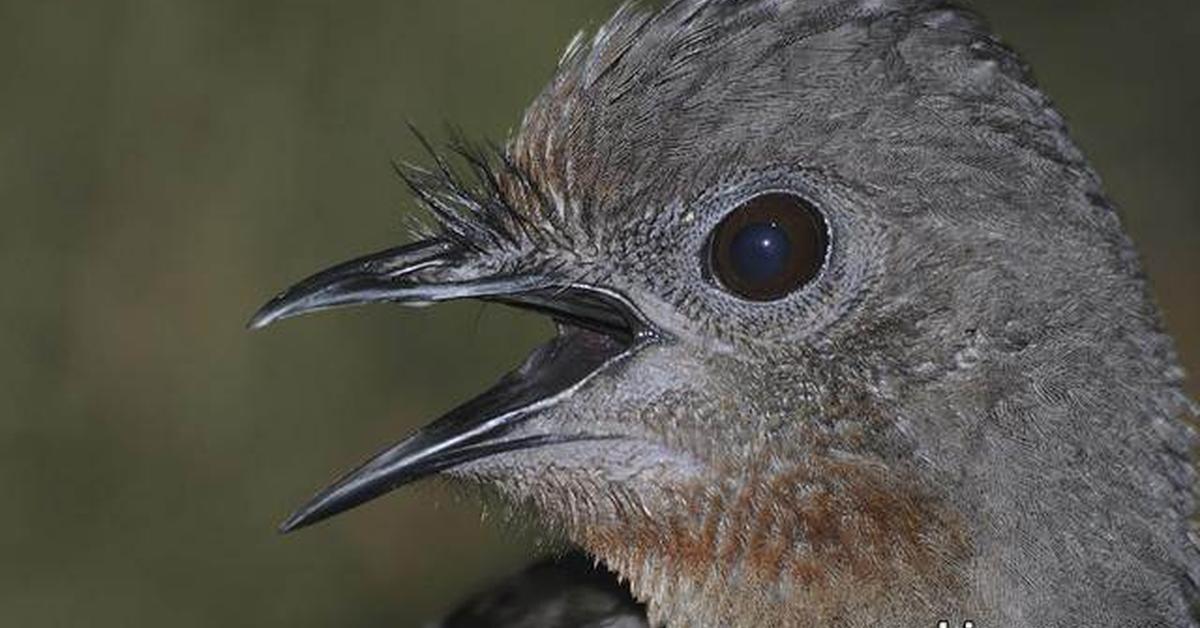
pixel 827 277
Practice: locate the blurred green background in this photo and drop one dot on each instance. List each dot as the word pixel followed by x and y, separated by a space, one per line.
pixel 167 165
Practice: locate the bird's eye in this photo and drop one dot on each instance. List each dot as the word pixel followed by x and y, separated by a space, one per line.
pixel 769 247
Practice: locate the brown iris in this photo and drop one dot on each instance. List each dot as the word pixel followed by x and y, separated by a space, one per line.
pixel 769 247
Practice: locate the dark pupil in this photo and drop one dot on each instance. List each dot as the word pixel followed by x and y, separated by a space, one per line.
pixel 769 247
pixel 760 252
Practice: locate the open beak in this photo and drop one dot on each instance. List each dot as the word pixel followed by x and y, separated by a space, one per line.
pixel 596 328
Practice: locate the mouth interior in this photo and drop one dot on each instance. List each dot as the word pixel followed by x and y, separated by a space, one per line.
pixel 483 426
pixel 599 312
pixel 593 329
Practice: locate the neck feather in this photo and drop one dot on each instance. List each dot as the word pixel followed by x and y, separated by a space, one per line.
pixel 825 541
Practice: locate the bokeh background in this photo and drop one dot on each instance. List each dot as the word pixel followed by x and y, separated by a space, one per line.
pixel 166 165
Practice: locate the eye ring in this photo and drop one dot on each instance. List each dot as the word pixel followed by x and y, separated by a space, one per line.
pixel 768 247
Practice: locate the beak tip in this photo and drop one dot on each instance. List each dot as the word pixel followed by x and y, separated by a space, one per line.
pixel 261 319
pixel 274 311
pixel 293 523
pixel 300 519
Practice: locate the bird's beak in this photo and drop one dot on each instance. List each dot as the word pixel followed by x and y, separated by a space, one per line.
pixel 596 327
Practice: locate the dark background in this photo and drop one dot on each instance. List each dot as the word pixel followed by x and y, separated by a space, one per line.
pixel 167 165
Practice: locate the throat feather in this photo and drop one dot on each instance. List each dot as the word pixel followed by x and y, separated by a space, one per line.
pixel 823 541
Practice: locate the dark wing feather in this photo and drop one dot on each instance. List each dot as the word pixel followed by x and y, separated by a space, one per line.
pixel 565 592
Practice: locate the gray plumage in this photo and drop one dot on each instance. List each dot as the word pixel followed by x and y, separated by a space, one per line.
pixel 973 413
